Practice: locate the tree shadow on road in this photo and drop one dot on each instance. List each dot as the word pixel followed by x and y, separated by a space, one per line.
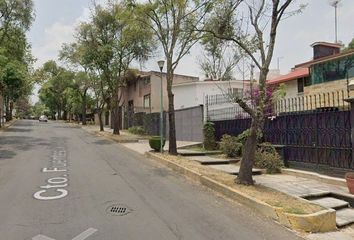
pixel 10 145
pixel 102 142
pixel 6 154
pixel 16 129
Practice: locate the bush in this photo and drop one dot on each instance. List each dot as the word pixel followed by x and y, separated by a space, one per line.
pixel 209 136
pixel 242 137
pixel 155 144
pixel 138 130
pixel 230 146
pixel 267 157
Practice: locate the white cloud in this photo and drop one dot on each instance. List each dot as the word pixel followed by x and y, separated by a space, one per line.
pixel 54 37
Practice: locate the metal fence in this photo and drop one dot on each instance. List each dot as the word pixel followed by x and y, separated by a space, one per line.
pixel 217 108
pixel 314 130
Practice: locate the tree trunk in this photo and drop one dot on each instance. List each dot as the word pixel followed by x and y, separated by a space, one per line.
pixel 100 120
pixel 84 103
pixel 171 117
pixel 245 174
pixel 7 110
pixel 65 115
pixel 116 121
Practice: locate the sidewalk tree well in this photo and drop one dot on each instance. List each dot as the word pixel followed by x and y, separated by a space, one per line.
pixel 113 40
pixel 172 23
pixel 252 27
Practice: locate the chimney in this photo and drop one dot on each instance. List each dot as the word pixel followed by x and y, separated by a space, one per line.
pixel 324 49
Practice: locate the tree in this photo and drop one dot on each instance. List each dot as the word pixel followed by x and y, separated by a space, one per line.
pixel 14 14
pixel 219 59
pixel 172 23
pixel 74 54
pixel 113 40
pixel 350 45
pixel 263 18
pixel 55 80
pixel 13 78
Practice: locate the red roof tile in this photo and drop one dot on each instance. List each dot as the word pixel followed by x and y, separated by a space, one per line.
pixel 295 74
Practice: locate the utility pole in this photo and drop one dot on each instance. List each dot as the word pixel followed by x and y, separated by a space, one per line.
pixel 335 3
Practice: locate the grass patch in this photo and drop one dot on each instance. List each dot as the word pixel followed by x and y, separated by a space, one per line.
pixel 264 194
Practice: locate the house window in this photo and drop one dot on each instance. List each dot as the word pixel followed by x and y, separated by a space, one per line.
pixel 146 81
pixel 147 101
pixel 300 85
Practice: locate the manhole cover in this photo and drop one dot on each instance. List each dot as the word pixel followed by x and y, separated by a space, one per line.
pixel 118 210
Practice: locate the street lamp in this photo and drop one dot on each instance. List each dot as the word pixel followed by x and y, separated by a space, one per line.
pixel 161 63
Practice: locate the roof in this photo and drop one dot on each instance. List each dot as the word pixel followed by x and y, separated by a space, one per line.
pixel 295 74
pixel 327 44
pixel 232 82
pixel 325 59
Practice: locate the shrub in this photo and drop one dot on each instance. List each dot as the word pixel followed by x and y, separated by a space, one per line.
pixel 138 130
pixel 242 137
pixel 267 157
pixel 155 144
pixel 230 146
pixel 209 136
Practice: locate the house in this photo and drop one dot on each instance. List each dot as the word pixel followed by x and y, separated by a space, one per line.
pixel 143 92
pixel 329 71
pixel 193 94
pixel 142 95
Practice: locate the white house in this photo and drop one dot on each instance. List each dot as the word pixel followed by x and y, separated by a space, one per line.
pixel 193 94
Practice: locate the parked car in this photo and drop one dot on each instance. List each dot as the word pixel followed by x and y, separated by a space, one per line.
pixel 43 118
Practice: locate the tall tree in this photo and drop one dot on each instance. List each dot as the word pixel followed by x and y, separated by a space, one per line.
pixel 15 14
pixel 74 54
pixel 56 80
pixel 172 22
pixel 255 33
pixel 113 40
pixel 219 58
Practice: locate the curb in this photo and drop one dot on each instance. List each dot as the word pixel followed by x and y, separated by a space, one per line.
pixel 322 221
pixel 12 122
pixel 316 176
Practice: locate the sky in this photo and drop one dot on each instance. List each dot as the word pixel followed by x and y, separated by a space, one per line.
pixel 56 21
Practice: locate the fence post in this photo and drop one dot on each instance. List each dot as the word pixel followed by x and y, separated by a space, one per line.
pixel 351 103
pixel 206 109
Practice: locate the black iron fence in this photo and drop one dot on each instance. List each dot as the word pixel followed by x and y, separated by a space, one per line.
pixel 314 130
pixel 220 107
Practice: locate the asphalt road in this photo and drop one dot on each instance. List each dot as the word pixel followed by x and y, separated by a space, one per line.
pixel 59 182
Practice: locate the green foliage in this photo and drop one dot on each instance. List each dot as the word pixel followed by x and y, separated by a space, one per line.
pixel 209 136
pixel 266 157
pixel 57 88
pixel 155 143
pixel 242 138
pixel 218 62
pixel 230 146
pixel 138 130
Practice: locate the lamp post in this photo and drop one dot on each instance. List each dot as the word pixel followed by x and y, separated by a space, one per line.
pixel 161 63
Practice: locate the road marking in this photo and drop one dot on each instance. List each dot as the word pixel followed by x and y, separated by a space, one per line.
pixel 85 234
pixel 41 237
pixel 81 236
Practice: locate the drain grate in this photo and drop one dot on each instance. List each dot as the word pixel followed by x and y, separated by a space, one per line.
pixel 118 210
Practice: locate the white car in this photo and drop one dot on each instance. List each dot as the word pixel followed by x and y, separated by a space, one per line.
pixel 43 118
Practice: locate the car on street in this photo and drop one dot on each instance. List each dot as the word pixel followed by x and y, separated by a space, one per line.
pixel 43 118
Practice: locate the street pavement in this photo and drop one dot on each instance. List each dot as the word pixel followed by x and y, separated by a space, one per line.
pixel 62 183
